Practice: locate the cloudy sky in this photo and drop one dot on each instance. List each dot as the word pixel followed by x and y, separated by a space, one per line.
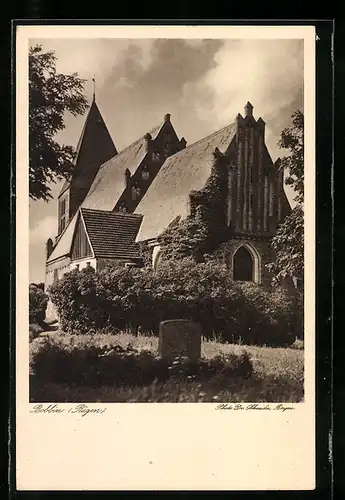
pixel 202 83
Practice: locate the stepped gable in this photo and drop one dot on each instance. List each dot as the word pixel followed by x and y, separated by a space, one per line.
pixel 108 184
pixel 112 234
pixel 187 170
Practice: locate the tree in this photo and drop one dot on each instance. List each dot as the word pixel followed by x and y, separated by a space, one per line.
pixel 51 94
pixel 292 138
pixel 288 243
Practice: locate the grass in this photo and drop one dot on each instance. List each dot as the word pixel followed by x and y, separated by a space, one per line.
pixel 277 375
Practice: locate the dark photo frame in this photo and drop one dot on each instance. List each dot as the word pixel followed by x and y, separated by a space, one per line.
pixel 324 234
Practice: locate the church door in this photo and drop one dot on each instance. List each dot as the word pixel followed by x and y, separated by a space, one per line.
pixel 243 265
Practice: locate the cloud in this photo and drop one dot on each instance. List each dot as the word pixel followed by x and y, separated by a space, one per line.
pixel 42 230
pixel 89 57
pixel 268 73
pixel 141 95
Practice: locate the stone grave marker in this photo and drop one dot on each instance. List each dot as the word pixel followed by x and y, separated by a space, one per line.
pixel 179 337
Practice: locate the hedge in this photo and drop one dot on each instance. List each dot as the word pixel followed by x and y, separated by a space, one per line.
pixel 120 298
pixel 53 361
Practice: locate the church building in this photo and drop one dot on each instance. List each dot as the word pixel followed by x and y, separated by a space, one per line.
pixel 115 201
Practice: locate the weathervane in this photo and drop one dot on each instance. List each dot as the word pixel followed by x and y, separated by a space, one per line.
pixel 94 86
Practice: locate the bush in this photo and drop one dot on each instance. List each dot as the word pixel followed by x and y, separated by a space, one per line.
pixel 34 331
pixel 131 298
pixel 298 344
pixel 95 365
pixel 38 301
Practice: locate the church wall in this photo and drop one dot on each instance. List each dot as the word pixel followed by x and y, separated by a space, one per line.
pixel 59 267
pixel 263 249
pixel 83 263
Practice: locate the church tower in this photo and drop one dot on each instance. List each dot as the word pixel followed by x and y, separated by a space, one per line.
pixel 94 148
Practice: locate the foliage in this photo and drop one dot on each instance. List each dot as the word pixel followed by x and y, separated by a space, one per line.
pixel 51 94
pixel 276 313
pixel 271 389
pixel 298 344
pixel 93 365
pixel 145 252
pixel 38 301
pixel 140 298
pixel 292 139
pixel 34 331
pixel 288 242
pixel 201 232
pixel 277 375
pixel 288 245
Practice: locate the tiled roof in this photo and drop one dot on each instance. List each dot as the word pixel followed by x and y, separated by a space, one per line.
pixel 109 182
pixel 187 170
pixel 107 187
pixel 112 234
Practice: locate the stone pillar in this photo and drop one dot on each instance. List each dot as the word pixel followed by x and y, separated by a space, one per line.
pixel 239 183
pixel 266 202
pixel 245 180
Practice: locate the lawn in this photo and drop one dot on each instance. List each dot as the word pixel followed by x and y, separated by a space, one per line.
pixel 277 375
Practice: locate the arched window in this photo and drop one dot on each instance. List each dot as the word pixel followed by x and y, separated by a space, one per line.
pixel 156 257
pixel 243 265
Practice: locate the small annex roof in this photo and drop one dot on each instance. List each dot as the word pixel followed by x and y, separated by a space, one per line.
pixel 112 234
pixel 187 170
pixel 63 246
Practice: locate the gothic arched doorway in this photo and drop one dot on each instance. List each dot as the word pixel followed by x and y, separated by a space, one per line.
pixel 243 265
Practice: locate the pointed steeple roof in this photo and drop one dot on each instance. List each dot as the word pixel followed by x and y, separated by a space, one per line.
pixel 95 145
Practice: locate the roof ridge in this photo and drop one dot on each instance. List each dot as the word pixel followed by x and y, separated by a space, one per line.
pixel 131 145
pixel 110 212
pixel 203 139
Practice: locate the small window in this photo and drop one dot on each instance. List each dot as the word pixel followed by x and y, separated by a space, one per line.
pixel 88 264
pixel 62 215
pixel 122 207
pixel 155 156
pixel 145 174
pixel 135 192
pixel 56 276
